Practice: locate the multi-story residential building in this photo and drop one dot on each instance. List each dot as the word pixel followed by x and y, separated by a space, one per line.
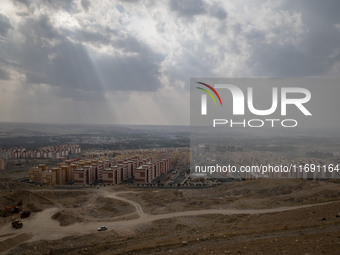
pixel 142 168
pixel 52 152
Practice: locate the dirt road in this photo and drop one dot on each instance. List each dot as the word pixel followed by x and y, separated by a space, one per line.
pixel 139 209
pixel 42 227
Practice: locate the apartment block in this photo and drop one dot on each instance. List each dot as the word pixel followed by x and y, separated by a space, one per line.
pixel 109 171
pixel 48 178
pixel 52 152
pixel 81 176
pixel 149 170
pixel 141 175
pixel 111 175
pixel 35 173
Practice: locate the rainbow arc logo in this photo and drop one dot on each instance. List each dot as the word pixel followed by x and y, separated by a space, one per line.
pixel 209 93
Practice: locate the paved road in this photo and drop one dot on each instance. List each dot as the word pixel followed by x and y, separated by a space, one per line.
pixel 180 177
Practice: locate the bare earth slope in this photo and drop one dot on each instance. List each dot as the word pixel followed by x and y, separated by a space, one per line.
pixel 252 217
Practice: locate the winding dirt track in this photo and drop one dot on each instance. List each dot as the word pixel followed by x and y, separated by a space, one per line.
pixel 139 209
pixel 42 227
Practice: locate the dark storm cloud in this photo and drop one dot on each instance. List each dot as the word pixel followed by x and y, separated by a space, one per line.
pixel 86 4
pixel 64 56
pixel 130 44
pixel 280 61
pixel 96 56
pixel 23 2
pixel 316 11
pixel 49 57
pixel 188 8
pixel 5 25
pixel 316 54
pixel 138 71
pixel 217 12
pixel 70 68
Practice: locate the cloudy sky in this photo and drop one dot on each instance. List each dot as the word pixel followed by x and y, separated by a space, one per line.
pixel 130 62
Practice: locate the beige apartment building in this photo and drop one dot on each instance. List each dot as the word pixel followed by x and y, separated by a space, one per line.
pixel 141 168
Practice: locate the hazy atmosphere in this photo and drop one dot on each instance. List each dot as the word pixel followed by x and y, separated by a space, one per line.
pixel 130 62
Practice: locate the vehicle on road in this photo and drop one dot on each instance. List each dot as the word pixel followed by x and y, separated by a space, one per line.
pixel 102 228
pixel 17 224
